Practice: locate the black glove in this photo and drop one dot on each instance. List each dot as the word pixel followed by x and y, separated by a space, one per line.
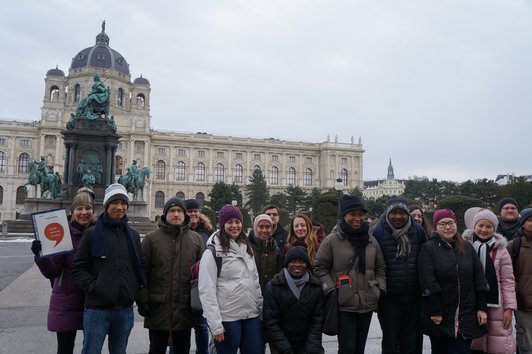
pixel 144 309
pixel 36 247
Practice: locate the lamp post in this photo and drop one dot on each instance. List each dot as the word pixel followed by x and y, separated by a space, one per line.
pixel 338 185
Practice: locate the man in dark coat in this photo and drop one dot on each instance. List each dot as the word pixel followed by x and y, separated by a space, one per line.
pixel 400 239
pixel 508 218
pixel 293 307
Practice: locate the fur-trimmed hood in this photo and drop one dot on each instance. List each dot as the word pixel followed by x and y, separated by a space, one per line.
pixel 501 241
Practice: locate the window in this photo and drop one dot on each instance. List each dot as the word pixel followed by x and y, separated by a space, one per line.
pixel 274 175
pixel 140 100
pixel 161 151
pixel 201 153
pixel 54 94
pixel 21 195
pixel 180 171
pixel 1 195
pixel 343 176
pixel 256 157
pixel 180 195
pixel 291 159
pixel 120 145
pixel 181 152
pixel 199 172
pixel 219 173
pixel 100 56
pixel 291 177
pixel 120 97
pixel 139 146
pixel 307 177
pixel 23 161
pixel 160 170
pixel 239 155
pixel 159 199
pixel 2 141
pixel 220 154
pixel 25 143
pixel 200 198
pixel 308 160
pixel 119 165
pixel 344 160
pixel 275 158
pixel 49 140
pixel 77 93
pixel 3 161
pixel 238 176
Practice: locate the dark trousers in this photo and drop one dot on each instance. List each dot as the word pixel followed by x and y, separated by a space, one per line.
pixel 446 345
pixel 400 324
pixel 65 342
pixel 201 331
pixel 353 332
pixel 159 341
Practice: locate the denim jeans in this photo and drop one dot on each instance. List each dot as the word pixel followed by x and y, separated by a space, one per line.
pixel 202 335
pixel 243 334
pixel 114 323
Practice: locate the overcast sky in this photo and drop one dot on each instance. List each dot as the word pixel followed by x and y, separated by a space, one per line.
pixel 443 88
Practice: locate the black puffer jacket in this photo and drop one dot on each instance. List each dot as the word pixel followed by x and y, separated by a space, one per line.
pixel 402 282
pixel 293 326
pixel 450 282
pixel 267 258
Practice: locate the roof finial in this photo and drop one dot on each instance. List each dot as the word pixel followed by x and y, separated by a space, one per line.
pixel 103 26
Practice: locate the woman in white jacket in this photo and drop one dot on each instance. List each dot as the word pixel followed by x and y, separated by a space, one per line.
pixel 231 297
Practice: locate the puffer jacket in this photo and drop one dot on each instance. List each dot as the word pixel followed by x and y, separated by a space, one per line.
pixel 523 271
pixel 267 258
pixel 169 252
pixel 65 312
pixel 235 294
pixel 334 256
pixel 292 325
pixel 451 282
pixel 498 339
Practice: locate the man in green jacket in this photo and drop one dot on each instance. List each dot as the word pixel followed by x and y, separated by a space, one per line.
pixel 169 252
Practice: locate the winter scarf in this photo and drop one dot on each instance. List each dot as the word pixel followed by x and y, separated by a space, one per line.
pixel 483 249
pixel 296 285
pixel 401 236
pixel 359 238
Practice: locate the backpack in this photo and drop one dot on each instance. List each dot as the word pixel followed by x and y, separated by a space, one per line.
pixel 195 303
pixel 194 269
pixel 516 248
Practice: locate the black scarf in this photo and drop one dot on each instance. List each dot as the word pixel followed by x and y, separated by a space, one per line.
pixel 359 238
pixel 483 249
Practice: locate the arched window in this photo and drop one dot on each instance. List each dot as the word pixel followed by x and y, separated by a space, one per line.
pixel 274 175
pixel 77 93
pixel 3 161
pixel 238 176
pixel 140 100
pixel 21 195
pixel 160 170
pixel 219 173
pixel 343 176
pixel 54 94
pixel 291 177
pixel 119 165
pixel 159 199
pixel 23 161
pixel 180 171
pixel 120 97
pixel 307 177
pixel 180 195
pixel 1 195
pixel 200 198
pixel 199 172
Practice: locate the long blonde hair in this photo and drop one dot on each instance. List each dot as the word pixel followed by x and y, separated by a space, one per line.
pixel 311 240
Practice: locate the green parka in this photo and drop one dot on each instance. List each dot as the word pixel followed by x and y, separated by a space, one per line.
pixel 169 252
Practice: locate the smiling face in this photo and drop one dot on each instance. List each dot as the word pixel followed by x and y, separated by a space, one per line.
pixel 296 268
pixel 194 216
pixel 82 215
pixel 446 229
pixel 398 218
pixel 417 215
pixel 233 228
pixel 484 229
pixel 264 230
pixel 117 209
pixel 354 218
pixel 300 228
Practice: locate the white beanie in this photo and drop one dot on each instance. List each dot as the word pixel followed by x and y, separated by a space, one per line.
pixel 114 192
pixel 486 214
pixel 258 219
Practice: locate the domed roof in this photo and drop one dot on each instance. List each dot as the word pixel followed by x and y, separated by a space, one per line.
pixel 55 72
pixel 100 56
pixel 141 81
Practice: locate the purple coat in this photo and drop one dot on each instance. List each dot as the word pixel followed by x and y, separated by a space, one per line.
pixel 65 312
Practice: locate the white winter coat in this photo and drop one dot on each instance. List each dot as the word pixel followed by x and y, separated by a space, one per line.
pixel 235 294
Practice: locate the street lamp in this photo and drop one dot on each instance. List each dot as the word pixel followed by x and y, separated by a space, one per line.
pixel 339 185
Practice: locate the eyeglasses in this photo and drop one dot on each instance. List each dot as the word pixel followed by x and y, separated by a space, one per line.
pixel 446 224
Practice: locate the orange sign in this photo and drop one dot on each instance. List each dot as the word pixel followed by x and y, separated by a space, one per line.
pixel 54 232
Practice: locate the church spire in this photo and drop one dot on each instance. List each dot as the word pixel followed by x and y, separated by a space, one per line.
pixel 390 170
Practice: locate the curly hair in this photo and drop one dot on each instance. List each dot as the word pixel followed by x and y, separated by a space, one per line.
pixel 311 240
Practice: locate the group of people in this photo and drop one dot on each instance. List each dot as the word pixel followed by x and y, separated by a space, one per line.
pixel 269 287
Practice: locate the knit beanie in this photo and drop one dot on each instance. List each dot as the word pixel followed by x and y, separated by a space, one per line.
pixel 297 252
pixel 469 215
pixel 84 196
pixel 396 202
pixel 505 201
pixel 228 212
pixel 191 204
pixel 351 202
pixel 486 214
pixel 525 215
pixel 115 191
pixel 258 219
pixel 174 201
pixel 442 214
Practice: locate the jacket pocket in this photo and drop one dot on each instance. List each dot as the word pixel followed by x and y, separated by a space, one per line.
pixel 345 295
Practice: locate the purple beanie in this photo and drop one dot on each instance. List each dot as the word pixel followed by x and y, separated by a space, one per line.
pixel 228 212
pixel 442 214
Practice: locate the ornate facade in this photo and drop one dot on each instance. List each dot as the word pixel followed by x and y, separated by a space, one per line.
pixel 182 164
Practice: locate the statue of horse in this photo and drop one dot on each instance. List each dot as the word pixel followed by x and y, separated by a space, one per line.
pixel 34 178
pixel 134 187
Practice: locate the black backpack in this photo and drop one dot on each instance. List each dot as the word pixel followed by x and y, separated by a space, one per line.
pixel 516 247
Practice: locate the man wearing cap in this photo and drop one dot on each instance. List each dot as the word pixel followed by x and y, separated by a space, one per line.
pixel 169 252
pixel 199 223
pixel 400 238
pixel 293 307
pixel 508 218
pixel 108 267
pixel 522 260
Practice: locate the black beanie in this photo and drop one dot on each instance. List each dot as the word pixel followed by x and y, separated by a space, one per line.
pixel 191 204
pixel 175 201
pixel 525 215
pixel 349 203
pixel 297 252
pixel 507 200
pixel 395 202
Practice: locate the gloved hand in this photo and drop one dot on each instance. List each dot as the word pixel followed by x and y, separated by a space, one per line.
pixel 144 309
pixel 36 247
